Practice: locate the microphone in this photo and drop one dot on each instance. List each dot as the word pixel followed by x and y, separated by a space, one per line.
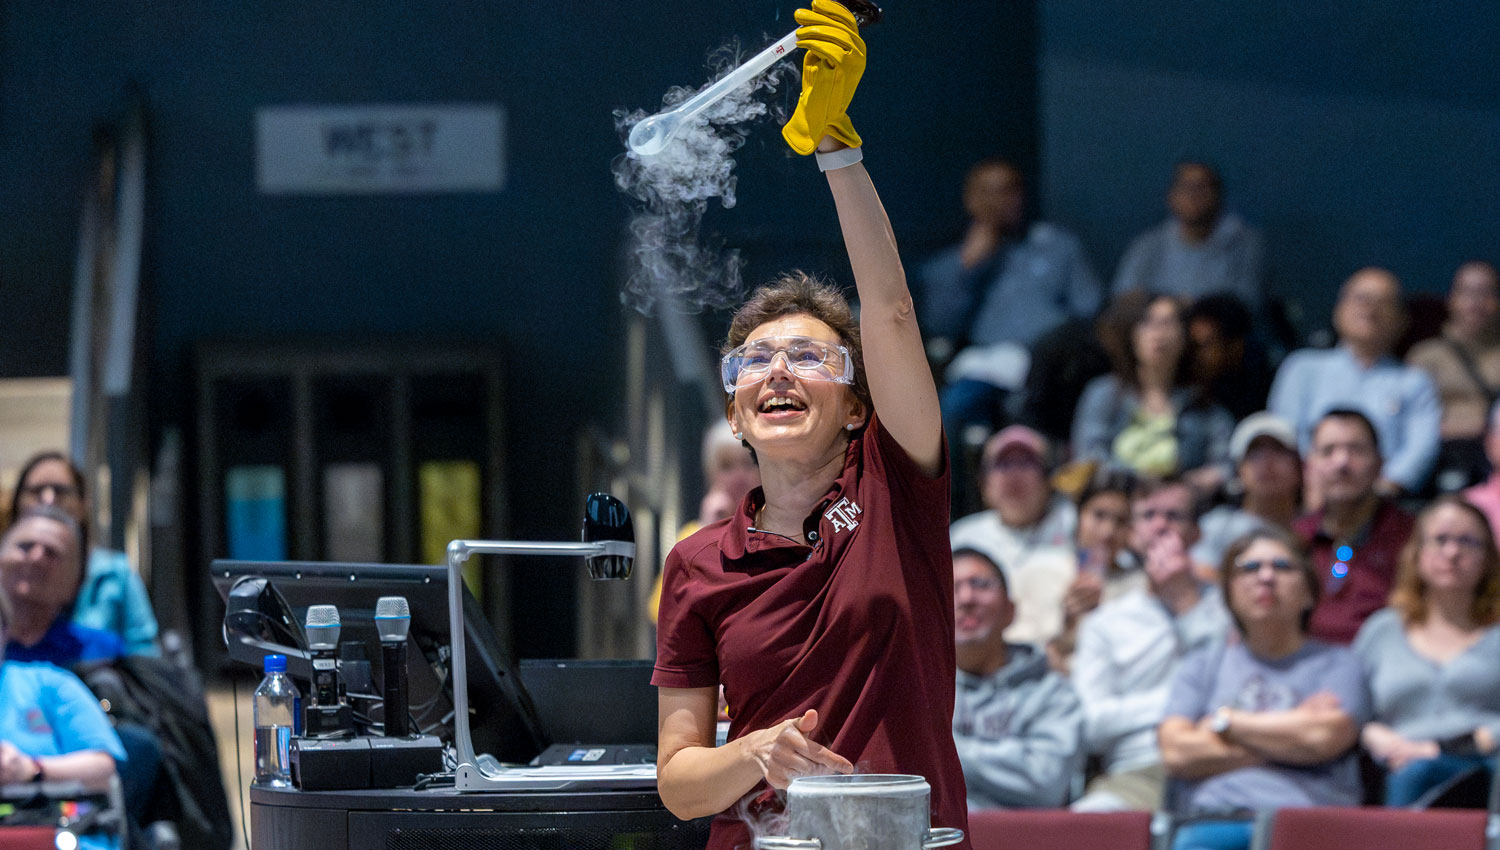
pixel 392 622
pixel 323 642
pixel 328 714
pixel 606 521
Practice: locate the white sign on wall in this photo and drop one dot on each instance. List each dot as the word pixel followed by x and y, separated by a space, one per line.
pixel 379 149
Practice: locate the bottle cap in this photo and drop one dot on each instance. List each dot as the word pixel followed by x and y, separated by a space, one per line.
pixel 274 663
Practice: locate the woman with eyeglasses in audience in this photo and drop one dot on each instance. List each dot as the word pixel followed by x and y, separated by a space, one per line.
pixel 112 596
pixel 1268 721
pixel 1433 657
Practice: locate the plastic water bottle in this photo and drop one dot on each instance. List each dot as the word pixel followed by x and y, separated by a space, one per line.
pixel 275 717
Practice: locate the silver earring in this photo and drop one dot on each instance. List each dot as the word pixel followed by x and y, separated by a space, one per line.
pixel 739 435
pixel 849 427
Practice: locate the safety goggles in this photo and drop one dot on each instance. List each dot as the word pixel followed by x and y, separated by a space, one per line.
pixel 807 358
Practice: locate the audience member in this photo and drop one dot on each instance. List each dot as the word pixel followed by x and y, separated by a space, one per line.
pixel 1358 534
pixel 1106 568
pixel 1026 530
pixel 112 596
pixel 1269 474
pixel 1226 361
pixel 1200 249
pixel 1023 512
pixel 729 472
pixel 1430 657
pixel 41 569
pixel 52 728
pixel 1016 723
pixel 1269 721
pixel 1145 416
pixel 1128 651
pixel 1361 374
pixel 1486 495
pixel 989 298
pixel 1464 363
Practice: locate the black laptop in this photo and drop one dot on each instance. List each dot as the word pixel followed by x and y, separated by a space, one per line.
pixel 593 713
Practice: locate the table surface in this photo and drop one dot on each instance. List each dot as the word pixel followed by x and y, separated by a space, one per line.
pixel 447 799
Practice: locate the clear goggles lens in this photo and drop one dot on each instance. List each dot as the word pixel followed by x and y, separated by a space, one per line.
pixel 809 359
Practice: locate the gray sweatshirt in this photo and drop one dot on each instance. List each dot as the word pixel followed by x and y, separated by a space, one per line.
pixel 1019 733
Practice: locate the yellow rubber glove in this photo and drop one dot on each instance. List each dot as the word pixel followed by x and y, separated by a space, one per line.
pixel 831 68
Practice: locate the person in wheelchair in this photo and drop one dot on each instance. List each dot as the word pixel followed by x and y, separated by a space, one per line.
pixel 52 729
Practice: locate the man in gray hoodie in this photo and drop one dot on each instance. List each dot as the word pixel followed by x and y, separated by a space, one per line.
pixel 1017 724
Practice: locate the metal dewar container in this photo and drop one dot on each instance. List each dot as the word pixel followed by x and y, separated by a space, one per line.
pixel 873 811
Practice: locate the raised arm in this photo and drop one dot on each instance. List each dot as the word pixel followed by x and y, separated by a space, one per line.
pixel 895 362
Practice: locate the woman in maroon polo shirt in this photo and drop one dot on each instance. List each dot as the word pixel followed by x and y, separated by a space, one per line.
pixel 824 604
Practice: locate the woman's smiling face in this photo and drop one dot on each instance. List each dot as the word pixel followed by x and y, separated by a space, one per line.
pixel 788 414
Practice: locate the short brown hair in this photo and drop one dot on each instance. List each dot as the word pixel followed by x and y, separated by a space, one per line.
pixel 798 293
pixel 1300 557
pixel 1409 597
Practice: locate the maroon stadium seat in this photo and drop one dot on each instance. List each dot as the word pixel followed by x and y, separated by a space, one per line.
pixel 28 837
pixel 1058 829
pixel 1375 829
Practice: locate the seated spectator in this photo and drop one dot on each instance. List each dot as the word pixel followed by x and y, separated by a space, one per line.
pixel 1269 721
pixel 1226 363
pixel 1017 724
pixel 1430 657
pixel 40 572
pixel 1269 473
pixel 1106 568
pixel 729 472
pixel 1026 530
pixel 1361 374
pixel 1464 363
pixel 1128 651
pixel 112 596
pixel 1200 249
pixel 52 728
pixel 1357 536
pixel 985 301
pixel 1486 495
pixel 1145 416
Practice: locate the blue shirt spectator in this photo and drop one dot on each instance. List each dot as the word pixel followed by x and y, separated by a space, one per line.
pixel 1399 401
pixel 1360 374
pixel 1200 250
pixel 1023 290
pixel 67 643
pixel 114 599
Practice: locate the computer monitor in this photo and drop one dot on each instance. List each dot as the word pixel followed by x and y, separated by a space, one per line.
pixel 267 604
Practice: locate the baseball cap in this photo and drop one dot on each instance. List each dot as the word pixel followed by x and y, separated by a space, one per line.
pixel 1257 425
pixel 1014 436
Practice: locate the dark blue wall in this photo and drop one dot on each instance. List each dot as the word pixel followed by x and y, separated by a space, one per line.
pixel 533 266
pixel 1353 132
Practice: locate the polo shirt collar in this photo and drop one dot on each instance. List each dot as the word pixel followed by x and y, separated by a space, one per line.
pixel 741 548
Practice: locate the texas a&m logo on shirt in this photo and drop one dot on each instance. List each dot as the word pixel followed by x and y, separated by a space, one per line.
pixel 843 514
